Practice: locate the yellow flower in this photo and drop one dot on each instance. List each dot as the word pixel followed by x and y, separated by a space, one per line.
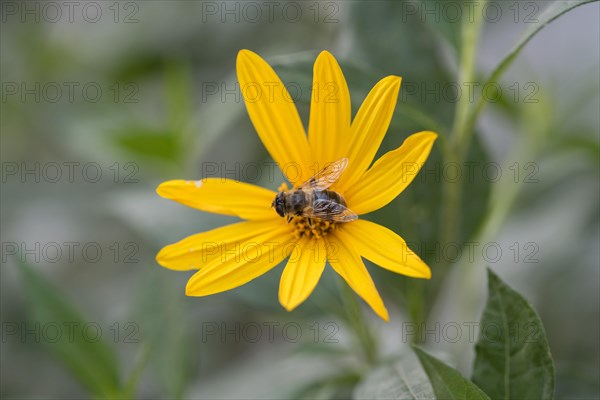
pixel 230 256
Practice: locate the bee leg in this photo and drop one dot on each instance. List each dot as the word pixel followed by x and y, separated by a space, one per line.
pixel 310 222
pixel 289 218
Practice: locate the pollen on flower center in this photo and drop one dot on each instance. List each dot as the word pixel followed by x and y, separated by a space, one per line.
pixel 311 227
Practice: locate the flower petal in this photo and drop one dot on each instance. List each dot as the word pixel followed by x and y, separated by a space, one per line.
pixel 200 249
pixel 330 112
pixel 369 128
pixel 383 247
pixel 222 196
pixel 274 116
pixel 347 262
pixel 390 175
pixel 302 272
pixel 250 259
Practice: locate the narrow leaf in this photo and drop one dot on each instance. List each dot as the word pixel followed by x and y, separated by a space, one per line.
pixel 513 359
pixel 79 347
pixel 447 382
pixel 552 12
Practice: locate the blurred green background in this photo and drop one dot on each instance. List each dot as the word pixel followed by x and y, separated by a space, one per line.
pixel 101 101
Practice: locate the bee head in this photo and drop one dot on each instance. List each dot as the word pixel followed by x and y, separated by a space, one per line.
pixel 278 204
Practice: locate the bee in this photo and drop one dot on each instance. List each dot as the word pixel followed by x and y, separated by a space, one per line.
pixel 314 200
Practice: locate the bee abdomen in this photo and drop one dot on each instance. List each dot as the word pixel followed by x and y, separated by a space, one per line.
pixel 329 195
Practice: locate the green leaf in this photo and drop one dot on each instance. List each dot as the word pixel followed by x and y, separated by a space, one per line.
pixel 513 359
pixel 418 60
pixel 149 143
pixel 403 378
pixel 90 360
pixel 411 58
pixel 552 12
pixel 447 382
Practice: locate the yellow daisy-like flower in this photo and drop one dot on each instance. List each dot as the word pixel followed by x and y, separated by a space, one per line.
pixel 230 256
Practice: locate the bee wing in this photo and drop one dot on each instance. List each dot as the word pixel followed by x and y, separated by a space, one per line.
pixel 327 176
pixel 329 211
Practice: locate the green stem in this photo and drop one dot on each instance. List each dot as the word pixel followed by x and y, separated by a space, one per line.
pixel 456 148
pixel 359 324
pixel 469 38
pixel 416 308
pixel 452 195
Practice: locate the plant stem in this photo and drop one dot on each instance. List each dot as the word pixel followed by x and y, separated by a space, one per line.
pixel 455 149
pixel 417 309
pixel 356 320
pixel 457 146
pixel 452 197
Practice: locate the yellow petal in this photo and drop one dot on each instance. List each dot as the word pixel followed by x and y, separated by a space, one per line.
pixel 274 116
pixel 390 175
pixel 302 272
pixel 329 123
pixel 222 196
pixel 383 247
pixel 250 259
pixel 200 249
pixel 347 262
pixel 369 128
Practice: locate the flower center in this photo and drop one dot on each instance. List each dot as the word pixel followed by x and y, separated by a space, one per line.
pixel 311 227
